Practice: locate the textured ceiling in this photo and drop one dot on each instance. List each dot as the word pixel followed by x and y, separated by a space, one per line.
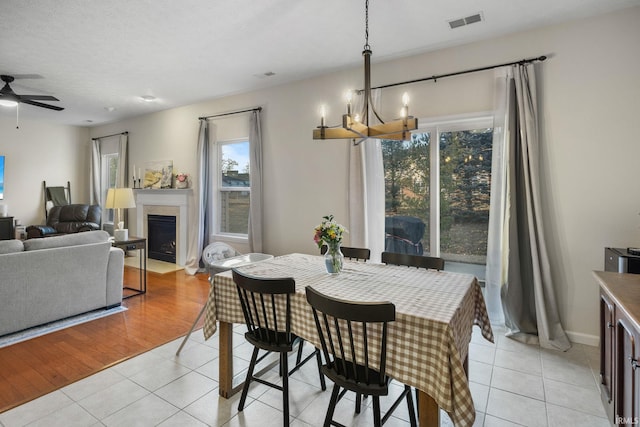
pixel 94 54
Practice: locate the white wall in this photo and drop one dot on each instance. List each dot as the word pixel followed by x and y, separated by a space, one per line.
pixel 37 152
pixel 589 152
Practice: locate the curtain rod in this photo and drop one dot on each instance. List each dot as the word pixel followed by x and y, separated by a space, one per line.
pixel 107 136
pixel 230 113
pixel 435 78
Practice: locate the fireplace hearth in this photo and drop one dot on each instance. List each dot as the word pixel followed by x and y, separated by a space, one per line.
pixel 161 240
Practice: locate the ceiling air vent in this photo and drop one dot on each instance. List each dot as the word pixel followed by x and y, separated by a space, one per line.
pixel 461 22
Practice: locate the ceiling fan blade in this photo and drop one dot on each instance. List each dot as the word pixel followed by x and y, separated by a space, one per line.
pixel 37 98
pixel 39 104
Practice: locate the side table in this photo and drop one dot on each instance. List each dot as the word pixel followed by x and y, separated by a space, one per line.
pixel 132 244
pixel 6 227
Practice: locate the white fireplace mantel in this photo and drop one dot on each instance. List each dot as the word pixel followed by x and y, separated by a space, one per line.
pixel 165 202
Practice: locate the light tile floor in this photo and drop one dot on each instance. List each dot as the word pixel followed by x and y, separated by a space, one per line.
pixel 512 384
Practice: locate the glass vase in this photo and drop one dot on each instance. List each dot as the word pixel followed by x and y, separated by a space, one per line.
pixel 333 258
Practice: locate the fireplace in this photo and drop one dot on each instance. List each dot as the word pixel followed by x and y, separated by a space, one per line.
pixel 161 241
pixel 165 202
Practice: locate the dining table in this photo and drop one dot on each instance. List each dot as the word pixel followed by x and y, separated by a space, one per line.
pixel 427 344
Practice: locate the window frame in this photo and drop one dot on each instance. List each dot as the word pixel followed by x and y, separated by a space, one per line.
pixel 218 189
pixel 436 126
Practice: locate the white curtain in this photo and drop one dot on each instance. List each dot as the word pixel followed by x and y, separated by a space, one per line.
pixel 255 202
pixel 199 237
pixel 366 191
pixel 96 173
pixel 123 163
pixel 118 144
pixel 518 271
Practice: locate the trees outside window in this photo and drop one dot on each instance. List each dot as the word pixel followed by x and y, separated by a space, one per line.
pixel 446 186
pixel 234 187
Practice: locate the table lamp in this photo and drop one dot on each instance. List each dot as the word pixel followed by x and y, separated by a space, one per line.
pixel 120 198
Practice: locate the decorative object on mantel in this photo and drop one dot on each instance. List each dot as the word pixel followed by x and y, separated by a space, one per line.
pixel 182 180
pixel 330 233
pixel 357 127
pixel 158 174
pixel 120 198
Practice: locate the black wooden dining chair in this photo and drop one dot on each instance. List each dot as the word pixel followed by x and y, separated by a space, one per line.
pixel 344 326
pixel 358 254
pixel 419 261
pixel 266 305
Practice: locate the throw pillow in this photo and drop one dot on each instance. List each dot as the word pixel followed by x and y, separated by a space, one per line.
pixel 11 246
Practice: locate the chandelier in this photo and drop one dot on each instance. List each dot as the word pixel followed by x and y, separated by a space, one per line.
pixel 357 126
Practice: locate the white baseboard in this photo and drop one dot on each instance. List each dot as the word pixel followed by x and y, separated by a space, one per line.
pixel 586 339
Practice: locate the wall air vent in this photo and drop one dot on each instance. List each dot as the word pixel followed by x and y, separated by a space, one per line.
pixel 461 22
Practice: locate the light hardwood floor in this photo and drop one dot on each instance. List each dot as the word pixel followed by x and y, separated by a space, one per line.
pixel 38 366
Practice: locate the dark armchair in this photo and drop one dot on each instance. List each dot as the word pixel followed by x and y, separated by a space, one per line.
pixel 68 219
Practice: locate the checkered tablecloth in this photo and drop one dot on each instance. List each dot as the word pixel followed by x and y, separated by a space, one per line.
pixel 435 312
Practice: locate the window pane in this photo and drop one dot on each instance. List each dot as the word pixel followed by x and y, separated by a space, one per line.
pixel 465 181
pixel 407 192
pixel 235 164
pixel 110 168
pixel 234 212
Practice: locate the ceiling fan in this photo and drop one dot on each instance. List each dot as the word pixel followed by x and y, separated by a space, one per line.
pixel 9 98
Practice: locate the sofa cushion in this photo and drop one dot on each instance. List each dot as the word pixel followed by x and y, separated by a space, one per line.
pixel 11 246
pixel 67 240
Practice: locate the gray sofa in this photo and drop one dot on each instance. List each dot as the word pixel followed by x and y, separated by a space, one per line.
pixel 43 280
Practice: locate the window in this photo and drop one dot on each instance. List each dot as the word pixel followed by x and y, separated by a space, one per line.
pixel 437 195
pixel 110 164
pixel 233 187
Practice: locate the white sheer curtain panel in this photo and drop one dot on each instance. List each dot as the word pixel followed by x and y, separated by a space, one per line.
pixel 199 236
pixel 366 190
pixel 255 203
pixel 497 248
pixel 114 144
pixel 96 173
pixel 518 269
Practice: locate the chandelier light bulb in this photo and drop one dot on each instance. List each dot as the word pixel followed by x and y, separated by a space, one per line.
pixel 349 96
pixel 405 106
pixel 8 103
pixel 405 99
pixel 323 113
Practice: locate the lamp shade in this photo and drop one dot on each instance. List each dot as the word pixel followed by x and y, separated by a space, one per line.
pixel 120 198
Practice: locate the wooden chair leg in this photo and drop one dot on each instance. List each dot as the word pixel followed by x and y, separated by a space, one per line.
pixel 323 384
pixel 285 387
pixel 299 358
pixel 247 381
pixel 332 405
pixel 377 420
pixel 412 413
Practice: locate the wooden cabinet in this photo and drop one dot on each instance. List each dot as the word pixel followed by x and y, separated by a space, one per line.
pixel 627 402
pixel 607 319
pixel 620 346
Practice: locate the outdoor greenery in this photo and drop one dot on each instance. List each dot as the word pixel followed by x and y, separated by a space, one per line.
pixel 465 177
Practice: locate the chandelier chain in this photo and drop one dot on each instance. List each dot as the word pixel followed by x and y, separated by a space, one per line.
pixel 366 25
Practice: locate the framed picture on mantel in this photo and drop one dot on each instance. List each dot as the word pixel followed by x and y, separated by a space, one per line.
pixel 158 174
